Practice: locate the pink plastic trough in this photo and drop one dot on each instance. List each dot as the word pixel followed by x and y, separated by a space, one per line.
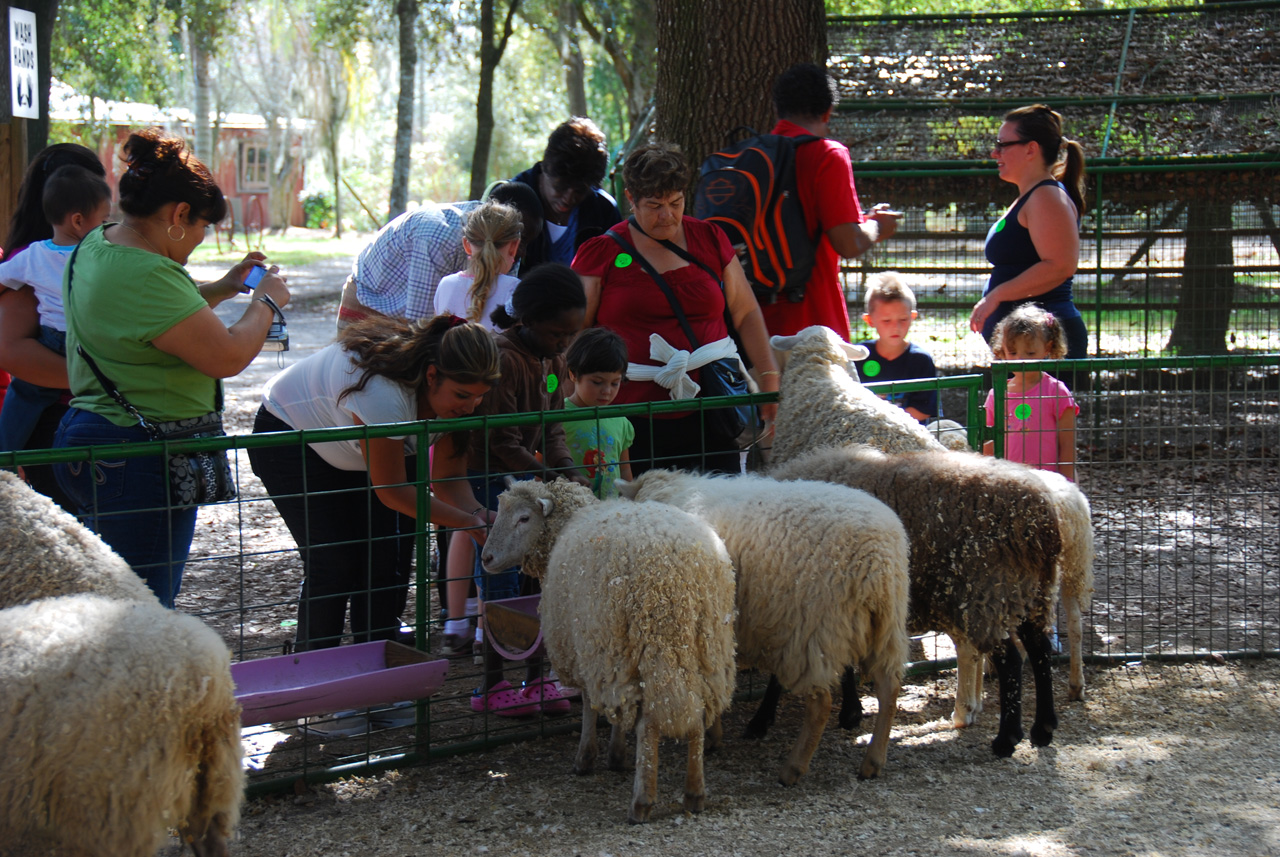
pixel 328 680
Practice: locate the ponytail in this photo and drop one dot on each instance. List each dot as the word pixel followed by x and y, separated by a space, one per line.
pixel 1044 125
pixel 401 351
pixel 490 227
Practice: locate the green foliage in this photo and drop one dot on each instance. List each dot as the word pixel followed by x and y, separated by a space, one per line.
pixel 116 51
pixel 318 209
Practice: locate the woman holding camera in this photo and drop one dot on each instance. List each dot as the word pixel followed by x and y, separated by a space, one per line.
pixel 137 322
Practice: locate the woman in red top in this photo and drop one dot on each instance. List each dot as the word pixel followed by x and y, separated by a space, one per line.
pixel 621 296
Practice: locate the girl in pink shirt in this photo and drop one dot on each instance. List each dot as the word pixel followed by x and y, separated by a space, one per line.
pixel 1039 411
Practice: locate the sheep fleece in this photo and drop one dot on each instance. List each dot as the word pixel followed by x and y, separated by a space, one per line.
pixel 47 552
pixel 118 721
pixel 822 572
pixel 637 603
pixel 984 534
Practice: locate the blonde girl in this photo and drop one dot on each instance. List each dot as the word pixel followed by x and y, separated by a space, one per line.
pixel 491 238
pixel 1039 411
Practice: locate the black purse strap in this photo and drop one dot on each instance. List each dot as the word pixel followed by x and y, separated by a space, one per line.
pixel 109 386
pixel 662 284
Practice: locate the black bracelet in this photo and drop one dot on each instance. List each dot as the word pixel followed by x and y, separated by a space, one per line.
pixel 266 299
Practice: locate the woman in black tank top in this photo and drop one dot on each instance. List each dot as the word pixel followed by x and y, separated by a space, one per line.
pixel 1034 247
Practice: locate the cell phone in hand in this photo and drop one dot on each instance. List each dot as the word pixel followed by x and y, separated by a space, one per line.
pixel 254 277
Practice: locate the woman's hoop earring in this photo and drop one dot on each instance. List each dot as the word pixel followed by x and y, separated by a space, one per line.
pixel 169 232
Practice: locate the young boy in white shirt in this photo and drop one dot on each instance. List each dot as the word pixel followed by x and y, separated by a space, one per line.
pixel 76 201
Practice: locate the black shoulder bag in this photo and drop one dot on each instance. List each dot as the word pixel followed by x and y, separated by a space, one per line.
pixel 723 377
pixel 194 477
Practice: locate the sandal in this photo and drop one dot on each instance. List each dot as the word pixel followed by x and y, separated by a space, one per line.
pixel 502 700
pixel 545 694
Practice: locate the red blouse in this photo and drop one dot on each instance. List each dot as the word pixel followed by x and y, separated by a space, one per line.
pixel 632 304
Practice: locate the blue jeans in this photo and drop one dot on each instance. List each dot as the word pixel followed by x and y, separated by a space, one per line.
pixel 25 402
pixel 502 584
pixel 125 501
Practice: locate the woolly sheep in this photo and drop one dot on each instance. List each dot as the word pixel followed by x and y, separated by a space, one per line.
pixel 821 404
pixel 950 434
pixel 48 552
pixel 985 543
pixel 637 611
pixel 822 583
pixel 119 721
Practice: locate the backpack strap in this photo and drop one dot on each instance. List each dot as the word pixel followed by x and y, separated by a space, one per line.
pixel 662 284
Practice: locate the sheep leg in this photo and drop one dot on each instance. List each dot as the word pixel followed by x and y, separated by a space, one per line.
pixel 817 710
pixel 585 761
pixel 1075 642
pixel 715 734
pixel 645 791
pixel 887 689
pixel 617 758
pixel 850 717
pixel 968 685
pixel 211 844
pixel 1040 654
pixel 1009 672
pixel 695 784
pixel 767 711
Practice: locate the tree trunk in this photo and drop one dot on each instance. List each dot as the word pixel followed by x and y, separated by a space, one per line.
pixel 335 163
pixel 717 60
pixel 407 14
pixel 1208 281
pixel 201 51
pixel 490 56
pixel 575 72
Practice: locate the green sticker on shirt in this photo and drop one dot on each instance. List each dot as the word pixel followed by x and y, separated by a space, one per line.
pixel 1022 412
pixel 1000 225
pixel 622 260
pixel 553 383
pixel 871 368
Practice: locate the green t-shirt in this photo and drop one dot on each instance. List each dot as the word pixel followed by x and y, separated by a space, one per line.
pixel 121 299
pixel 597 447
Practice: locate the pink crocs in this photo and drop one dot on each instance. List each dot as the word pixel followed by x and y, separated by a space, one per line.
pixel 544 692
pixel 503 700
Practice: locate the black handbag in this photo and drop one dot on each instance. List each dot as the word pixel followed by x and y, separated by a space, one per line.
pixel 194 477
pixel 723 377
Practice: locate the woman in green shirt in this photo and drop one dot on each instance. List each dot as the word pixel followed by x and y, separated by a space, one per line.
pixel 150 330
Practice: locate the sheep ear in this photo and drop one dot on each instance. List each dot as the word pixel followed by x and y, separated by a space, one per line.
pixel 783 343
pixel 509 479
pixel 547 505
pixel 626 490
pixel 855 352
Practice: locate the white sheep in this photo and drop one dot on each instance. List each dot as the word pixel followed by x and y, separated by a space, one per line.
pixel 119 721
pixel 822 583
pixel 950 434
pixel 47 552
pixel 822 403
pixel 637 611
pixel 985 546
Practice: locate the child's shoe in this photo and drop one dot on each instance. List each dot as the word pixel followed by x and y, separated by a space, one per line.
pixel 545 694
pixel 502 700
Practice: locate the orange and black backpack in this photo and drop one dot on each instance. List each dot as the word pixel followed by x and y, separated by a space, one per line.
pixel 749 190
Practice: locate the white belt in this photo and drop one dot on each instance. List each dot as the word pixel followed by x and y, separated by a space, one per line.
pixel 676 365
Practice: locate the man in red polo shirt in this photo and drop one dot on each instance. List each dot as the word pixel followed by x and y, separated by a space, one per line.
pixel 803 98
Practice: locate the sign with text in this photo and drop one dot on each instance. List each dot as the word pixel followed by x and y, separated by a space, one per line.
pixel 22 63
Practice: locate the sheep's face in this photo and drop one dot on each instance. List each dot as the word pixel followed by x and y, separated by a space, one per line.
pixel 516 530
pixel 820 343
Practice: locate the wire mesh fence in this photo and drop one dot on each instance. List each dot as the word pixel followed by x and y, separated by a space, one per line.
pixel 1179 457
pixel 1178 111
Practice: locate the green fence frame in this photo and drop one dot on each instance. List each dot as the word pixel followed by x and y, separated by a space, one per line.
pixel 1227 399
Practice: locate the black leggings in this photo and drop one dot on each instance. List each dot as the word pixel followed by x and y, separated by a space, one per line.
pixel 353 547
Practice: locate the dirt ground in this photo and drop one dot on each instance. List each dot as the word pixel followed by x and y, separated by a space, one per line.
pixel 1160 760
